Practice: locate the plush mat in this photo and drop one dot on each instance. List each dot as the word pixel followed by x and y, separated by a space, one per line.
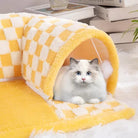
pixel 22 110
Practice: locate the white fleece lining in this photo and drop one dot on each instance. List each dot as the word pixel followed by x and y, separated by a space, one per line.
pixel 38 91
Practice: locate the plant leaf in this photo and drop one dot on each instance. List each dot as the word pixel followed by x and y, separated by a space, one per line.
pixel 133 11
pixel 135 35
pixel 135 21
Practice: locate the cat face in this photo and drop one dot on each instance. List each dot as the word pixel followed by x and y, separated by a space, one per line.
pixel 84 72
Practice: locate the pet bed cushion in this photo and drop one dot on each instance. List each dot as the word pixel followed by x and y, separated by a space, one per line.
pixel 48 42
pixel 22 111
pixel 46 45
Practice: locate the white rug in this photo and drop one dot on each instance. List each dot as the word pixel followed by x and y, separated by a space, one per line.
pixel 127 91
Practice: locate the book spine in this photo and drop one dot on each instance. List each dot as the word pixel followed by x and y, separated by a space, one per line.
pixel 115 14
pixel 118 3
pixel 110 27
pixel 78 15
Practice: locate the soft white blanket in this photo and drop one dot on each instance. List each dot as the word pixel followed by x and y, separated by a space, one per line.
pixel 127 91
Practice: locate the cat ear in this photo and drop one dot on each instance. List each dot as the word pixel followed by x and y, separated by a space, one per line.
pixel 73 61
pixel 94 61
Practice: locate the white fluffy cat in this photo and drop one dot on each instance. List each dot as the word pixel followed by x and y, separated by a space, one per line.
pixel 80 82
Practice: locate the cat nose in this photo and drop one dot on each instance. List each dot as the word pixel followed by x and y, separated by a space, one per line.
pixel 83 79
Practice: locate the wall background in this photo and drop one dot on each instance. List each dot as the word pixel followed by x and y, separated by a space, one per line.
pixel 18 5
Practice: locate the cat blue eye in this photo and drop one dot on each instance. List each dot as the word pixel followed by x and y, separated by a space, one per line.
pixel 78 73
pixel 88 73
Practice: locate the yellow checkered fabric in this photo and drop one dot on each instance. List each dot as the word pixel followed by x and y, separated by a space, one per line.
pixel 11 32
pixel 69 111
pixel 39 45
pixel 23 111
pixel 42 40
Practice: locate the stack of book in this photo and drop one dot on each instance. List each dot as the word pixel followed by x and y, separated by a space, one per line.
pixel 115 17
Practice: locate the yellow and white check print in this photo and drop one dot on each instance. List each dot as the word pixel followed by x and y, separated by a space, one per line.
pixel 71 111
pixel 42 40
pixel 30 46
pixel 11 32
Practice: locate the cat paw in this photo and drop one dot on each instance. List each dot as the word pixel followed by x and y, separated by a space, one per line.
pixel 77 100
pixel 94 101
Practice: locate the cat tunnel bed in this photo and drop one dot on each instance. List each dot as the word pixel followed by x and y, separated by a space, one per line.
pixel 35 47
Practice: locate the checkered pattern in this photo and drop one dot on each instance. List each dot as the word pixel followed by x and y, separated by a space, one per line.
pixel 71 111
pixel 68 111
pixel 11 29
pixel 11 32
pixel 42 40
pixel 42 37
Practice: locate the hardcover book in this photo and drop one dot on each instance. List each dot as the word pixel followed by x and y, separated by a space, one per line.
pixel 107 26
pixel 118 3
pixel 114 13
pixel 73 11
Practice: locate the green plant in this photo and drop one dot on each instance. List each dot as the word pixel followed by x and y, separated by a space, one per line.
pixel 135 22
pixel 136 31
pixel 132 27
